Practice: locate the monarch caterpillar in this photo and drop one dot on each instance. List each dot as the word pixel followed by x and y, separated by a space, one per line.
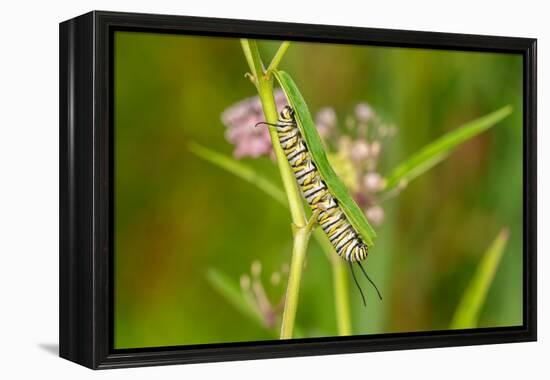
pixel 346 241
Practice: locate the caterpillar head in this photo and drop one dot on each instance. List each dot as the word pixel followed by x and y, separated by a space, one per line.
pixel 287 113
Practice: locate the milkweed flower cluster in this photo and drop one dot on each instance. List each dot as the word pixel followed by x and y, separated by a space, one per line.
pixel 354 145
pixel 240 119
pixel 255 293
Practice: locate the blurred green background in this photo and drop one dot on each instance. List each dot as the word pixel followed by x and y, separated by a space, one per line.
pixel 176 215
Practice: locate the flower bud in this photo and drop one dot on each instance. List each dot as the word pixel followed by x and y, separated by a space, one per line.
pixel 363 112
pixel 375 148
pixel 245 282
pixel 359 150
pixel 373 182
pixel 327 117
pixel 256 268
pixel 375 215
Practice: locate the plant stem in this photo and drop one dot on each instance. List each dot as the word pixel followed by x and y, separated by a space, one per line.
pixel 302 231
pixel 339 274
pixel 301 239
pixel 341 295
pixel 278 56
pixel 289 182
pixel 340 285
pixel 265 91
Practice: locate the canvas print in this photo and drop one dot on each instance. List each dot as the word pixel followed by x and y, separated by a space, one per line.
pixel 270 190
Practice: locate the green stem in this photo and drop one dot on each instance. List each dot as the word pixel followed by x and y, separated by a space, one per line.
pixel 265 91
pixel 340 284
pixel 301 230
pixel 341 295
pixel 278 56
pixel 301 239
pixel 289 182
pixel 249 59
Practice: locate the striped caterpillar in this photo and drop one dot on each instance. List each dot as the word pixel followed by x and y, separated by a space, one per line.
pixel 342 235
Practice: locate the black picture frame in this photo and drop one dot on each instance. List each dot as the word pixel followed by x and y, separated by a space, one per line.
pixel 86 184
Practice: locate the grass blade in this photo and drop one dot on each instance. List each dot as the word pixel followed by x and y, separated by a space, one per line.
pixel 313 141
pixel 238 169
pixel 467 313
pixel 435 152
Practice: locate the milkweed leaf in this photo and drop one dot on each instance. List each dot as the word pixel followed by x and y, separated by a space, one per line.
pixel 247 173
pixel 436 151
pixel 239 169
pixel 313 141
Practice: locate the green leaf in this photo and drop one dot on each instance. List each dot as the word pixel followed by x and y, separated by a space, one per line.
pixel 435 152
pixel 243 171
pixel 278 56
pixel 423 167
pixel 239 169
pixel 337 188
pixel 231 291
pixel 466 315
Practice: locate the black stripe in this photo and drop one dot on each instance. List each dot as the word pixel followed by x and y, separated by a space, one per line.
pixel 287 123
pixel 340 240
pixel 295 154
pixel 354 244
pixel 314 192
pixel 282 141
pixel 325 210
pixel 306 173
pixel 297 162
pixel 332 223
pixel 339 234
pixel 311 198
pixel 343 244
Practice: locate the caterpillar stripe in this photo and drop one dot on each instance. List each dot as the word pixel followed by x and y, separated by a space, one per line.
pixel 345 239
pixel 342 235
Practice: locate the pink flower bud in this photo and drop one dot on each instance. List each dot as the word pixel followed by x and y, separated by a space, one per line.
pixel 375 148
pixel 375 215
pixel 240 120
pixel 359 150
pixel 363 112
pixel 373 182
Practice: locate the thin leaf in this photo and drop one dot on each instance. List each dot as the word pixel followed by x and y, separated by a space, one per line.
pixel 423 167
pixel 313 141
pixel 278 56
pixel 239 169
pixel 467 313
pixel 417 164
pixel 231 291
